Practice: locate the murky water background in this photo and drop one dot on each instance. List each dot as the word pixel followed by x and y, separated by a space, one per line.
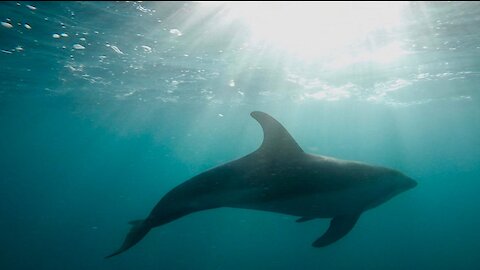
pixel 106 106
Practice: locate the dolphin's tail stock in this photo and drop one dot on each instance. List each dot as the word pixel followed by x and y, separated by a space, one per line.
pixel 137 232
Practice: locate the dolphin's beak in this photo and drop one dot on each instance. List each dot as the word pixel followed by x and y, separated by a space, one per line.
pixel 411 183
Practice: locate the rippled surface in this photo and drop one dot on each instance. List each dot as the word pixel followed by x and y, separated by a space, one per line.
pixel 105 106
pixel 187 52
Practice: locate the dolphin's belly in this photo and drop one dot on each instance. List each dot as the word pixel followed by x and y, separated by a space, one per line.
pixel 321 205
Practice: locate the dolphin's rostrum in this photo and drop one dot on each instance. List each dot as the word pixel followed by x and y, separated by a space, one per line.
pixel 280 177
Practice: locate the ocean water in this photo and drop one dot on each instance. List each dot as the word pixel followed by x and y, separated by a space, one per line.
pixel 106 106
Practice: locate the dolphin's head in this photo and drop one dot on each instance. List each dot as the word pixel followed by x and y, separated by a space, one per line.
pixel 400 182
pixel 389 184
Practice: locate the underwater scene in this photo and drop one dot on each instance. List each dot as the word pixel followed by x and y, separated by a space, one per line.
pixel 253 135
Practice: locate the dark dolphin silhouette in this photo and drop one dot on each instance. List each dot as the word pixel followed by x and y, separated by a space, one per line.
pixel 280 177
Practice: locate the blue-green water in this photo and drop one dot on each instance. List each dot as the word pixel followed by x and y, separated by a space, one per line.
pixel 97 124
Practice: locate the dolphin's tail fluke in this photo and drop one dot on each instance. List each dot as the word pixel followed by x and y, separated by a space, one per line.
pixel 137 232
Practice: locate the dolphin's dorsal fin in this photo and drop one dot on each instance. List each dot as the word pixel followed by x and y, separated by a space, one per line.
pixel 276 139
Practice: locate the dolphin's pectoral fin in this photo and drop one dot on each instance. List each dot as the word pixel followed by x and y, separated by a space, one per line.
pixel 339 227
pixel 303 219
pixel 135 222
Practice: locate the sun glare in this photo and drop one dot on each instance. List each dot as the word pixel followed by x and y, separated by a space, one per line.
pixel 314 29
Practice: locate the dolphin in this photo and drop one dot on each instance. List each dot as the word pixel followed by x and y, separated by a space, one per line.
pixel 280 177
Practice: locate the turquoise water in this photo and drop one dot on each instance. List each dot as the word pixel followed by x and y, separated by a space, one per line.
pixel 105 107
